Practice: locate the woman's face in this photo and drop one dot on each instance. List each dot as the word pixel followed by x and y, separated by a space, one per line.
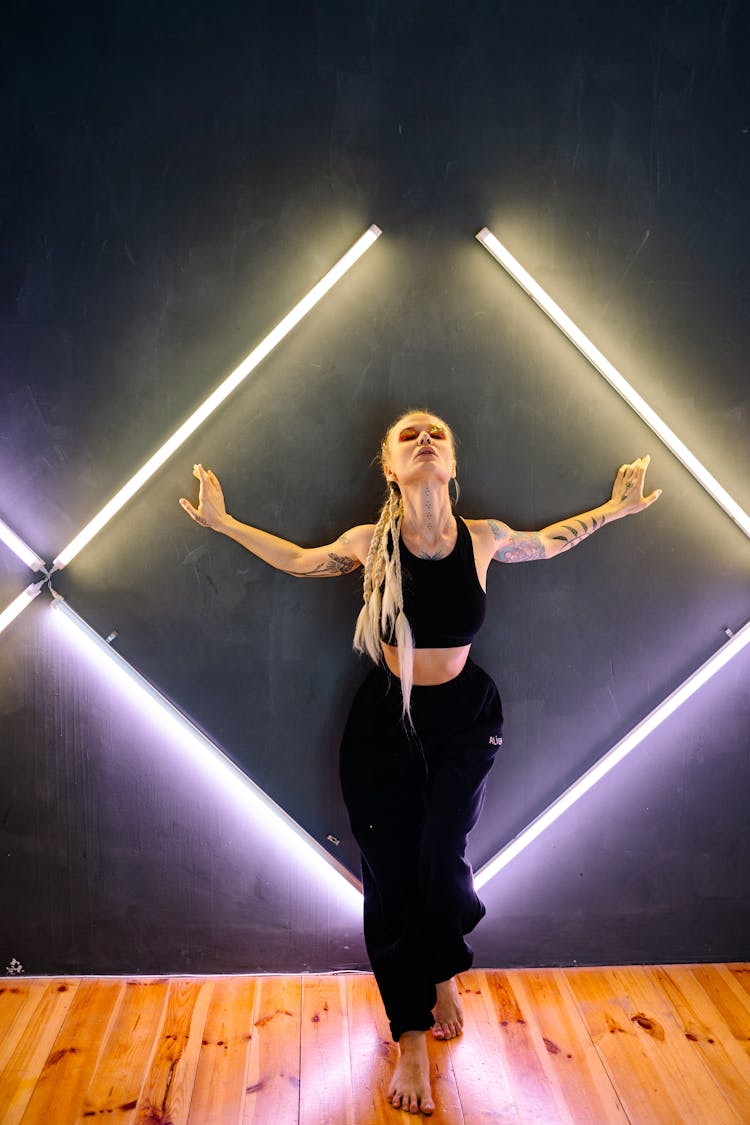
pixel 419 447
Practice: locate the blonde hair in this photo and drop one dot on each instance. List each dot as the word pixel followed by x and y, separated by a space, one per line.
pixel 382 587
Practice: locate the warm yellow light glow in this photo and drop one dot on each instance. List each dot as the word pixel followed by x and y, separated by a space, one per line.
pixel 18 605
pixel 207 408
pixel 609 760
pixel 613 376
pixel 19 548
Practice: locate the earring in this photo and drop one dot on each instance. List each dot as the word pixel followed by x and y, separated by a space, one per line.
pixel 454 481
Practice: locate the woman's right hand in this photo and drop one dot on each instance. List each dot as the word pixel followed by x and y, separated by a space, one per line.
pixel 211 510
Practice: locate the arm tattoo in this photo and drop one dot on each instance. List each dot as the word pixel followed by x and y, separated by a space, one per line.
pixel 517 546
pixel 577 536
pixel 336 565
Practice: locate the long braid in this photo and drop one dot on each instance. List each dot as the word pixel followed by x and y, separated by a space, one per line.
pixel 367 631
pixel 382 590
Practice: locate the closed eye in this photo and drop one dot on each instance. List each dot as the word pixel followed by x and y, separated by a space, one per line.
pixel 411 433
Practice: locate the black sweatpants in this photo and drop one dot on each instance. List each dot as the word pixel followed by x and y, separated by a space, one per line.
pixel 412 800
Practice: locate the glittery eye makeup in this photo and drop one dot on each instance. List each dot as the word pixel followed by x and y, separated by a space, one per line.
pixel 411 433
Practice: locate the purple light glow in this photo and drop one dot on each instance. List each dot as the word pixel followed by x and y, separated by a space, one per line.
pixel 688 688
pixel 291 845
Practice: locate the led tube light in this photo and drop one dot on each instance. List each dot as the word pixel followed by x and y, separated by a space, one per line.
pixel 613 376
pixel 214 400
pixel 285 831
pixel 18 605
pixel 609 760
pixel 19 548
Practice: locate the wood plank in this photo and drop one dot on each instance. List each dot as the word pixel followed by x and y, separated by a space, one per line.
pixel 646 1094
pixel 572 1061
pixel 168 1087
pixel 115 1086
pixel 704 1027
pixel 448 1109
pixel 372 1053
pixel 478 1061
pixel 729 997
pixel 695 1093
pixel 273 1076
pixel 21 1072
pixel 534 1092
pixel 17 1004
pixel 325 1065
pixel 75 1052
pixel 13 997
pixel 219 1087
pixel 741 974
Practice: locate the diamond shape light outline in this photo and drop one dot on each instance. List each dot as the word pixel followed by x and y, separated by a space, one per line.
pixel 514 847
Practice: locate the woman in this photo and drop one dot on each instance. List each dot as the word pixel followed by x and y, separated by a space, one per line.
pixel 427 722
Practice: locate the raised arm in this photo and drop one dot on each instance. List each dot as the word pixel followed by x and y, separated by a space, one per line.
pixel 344 555
pixel 627 498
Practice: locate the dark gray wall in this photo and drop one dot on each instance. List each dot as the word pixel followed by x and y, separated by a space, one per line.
pixel 176 178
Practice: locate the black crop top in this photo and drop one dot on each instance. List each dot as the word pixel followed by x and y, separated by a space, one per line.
pixel 443 599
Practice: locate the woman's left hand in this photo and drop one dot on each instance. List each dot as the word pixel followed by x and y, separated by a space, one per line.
pixel 627 491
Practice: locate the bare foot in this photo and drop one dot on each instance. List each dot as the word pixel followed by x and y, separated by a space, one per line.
pixel 449 1016
pixel 410 1086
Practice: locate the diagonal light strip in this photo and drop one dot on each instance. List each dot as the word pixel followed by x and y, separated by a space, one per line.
pixel 19 548
pixel 307 850
pixel 265 811
pixel 26 555
pixel 19 604
pixel 609 760
pixel 207 408
pixel 613 376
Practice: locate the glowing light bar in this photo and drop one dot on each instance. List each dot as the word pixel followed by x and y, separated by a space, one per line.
pixel 613 376
pixel 609 760
pixel 207 408
pixel 285 833
pixel 18 605
pixel 19 548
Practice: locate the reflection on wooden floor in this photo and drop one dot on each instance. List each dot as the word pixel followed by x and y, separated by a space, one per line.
pixel 641 1045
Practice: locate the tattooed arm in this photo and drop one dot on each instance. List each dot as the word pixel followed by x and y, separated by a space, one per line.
pixel 346 554
pixel 524 546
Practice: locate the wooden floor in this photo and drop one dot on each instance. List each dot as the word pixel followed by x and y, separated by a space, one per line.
pixel 641 1045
